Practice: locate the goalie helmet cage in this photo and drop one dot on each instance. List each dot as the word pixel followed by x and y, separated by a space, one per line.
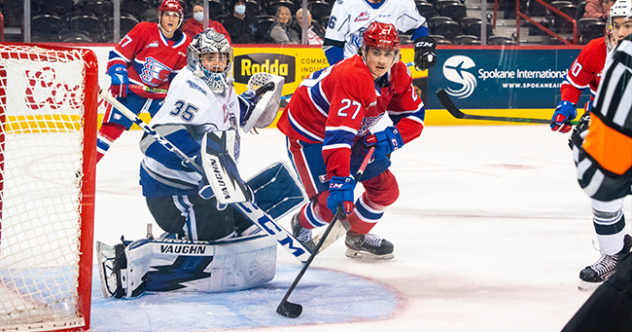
pixel 48 111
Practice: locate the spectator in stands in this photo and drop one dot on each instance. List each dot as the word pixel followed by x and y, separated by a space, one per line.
pixel 597 9
pixel 240 26
pixel 280 32
pixel 315 31
pixel 194 25
pixel 150 15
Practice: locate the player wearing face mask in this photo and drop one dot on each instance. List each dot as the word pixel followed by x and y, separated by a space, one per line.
pixel 240 25
pixel 195 25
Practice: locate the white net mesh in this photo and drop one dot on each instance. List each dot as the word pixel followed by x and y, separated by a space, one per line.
pixel 41 143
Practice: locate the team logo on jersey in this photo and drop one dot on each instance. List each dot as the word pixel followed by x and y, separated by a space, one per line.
pixel 153 44
pixel 364 16
pixel 276 64
pixel 367 124
pixel 356 38
pixel 153 72
pixel 455 70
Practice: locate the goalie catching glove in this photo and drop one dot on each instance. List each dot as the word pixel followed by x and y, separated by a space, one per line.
pixel 425 56
pixel 268 89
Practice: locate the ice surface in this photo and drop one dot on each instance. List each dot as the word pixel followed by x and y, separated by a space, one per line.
pixel 491 230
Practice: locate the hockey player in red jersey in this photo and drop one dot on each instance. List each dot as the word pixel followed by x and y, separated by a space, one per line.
pixel 327 124
pixel 147 57
pixel 586 71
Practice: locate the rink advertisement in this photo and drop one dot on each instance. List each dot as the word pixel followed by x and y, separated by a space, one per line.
pixel 501 78
pixel 521 82
pixel 293 63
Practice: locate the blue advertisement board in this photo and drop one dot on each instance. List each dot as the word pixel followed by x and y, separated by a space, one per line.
pixel 501 78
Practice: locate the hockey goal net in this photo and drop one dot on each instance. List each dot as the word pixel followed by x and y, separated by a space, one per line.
pixel 47 160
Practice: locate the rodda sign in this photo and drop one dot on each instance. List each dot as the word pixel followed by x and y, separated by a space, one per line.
pixel 277 64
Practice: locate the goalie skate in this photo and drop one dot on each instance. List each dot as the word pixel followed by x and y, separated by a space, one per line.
pixel 110 269
pixel 368 246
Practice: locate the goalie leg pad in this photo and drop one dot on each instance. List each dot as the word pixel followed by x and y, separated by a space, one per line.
pixel 166 265
pixel 277 191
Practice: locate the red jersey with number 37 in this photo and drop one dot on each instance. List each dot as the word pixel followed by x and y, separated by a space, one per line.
pixel 585 71
pixel 151 59
pixel 339 104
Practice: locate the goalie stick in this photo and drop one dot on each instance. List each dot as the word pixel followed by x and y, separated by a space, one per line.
pixel 293 310
pixel 446 101
pixel 249 209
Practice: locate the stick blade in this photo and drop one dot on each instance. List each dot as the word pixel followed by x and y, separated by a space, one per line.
pixel 289 309
pixel 445 100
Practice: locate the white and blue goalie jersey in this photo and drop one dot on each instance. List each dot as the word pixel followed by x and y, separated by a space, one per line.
pixel 190 110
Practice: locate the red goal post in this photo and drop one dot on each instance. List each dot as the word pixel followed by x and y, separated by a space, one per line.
pixel 48 112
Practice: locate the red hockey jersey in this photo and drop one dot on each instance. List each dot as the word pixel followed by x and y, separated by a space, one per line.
pixel 337 105
pixel 151 59
pixel 585 71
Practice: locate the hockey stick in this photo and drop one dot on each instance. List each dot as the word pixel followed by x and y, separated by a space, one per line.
pixel 135 87
pixel 105 95
pixel 293 310
pixel 250 209
pixel 445 100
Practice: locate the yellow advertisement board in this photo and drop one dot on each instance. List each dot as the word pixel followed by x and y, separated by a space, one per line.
pixel 294 63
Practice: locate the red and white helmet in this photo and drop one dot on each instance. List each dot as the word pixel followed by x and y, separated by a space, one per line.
pixel 381 35
pixel 170 6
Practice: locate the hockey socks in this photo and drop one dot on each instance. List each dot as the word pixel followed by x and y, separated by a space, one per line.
pixel 108 133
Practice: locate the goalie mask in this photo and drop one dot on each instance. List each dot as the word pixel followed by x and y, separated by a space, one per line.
pixel 209 57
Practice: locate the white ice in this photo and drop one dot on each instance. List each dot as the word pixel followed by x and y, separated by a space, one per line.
pixel 491 228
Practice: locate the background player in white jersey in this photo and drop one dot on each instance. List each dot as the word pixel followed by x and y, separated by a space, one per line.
pixel 201 105
pixel 149 56
pixel 351 18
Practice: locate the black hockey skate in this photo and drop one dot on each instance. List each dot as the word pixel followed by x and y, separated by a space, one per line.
pixel 368 246
pixel 111 260
pixel 303 235
pixel 594 275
